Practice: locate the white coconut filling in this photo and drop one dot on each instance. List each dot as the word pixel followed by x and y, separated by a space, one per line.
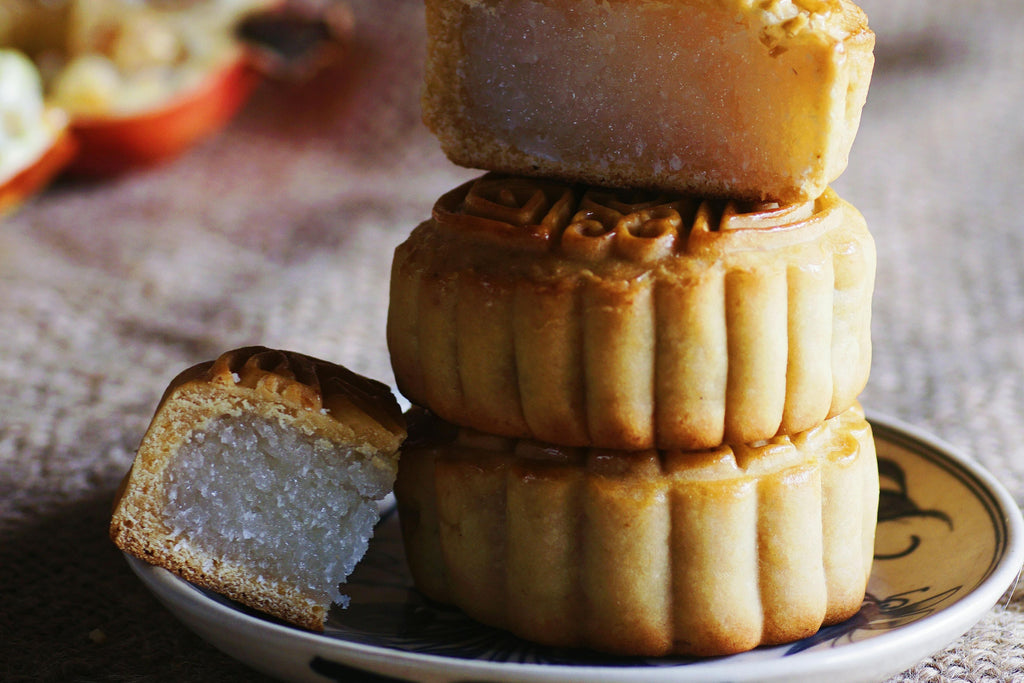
pixel 284 505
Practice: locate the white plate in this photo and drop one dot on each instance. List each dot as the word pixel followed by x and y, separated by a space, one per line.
pixel 949 544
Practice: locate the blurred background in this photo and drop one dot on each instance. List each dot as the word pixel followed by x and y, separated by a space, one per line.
pixel 279 230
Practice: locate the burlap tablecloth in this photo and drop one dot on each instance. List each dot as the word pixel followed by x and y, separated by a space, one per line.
pixel 280 230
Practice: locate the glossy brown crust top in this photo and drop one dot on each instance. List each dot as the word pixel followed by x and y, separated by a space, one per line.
pixel 581 223
pixel 300 381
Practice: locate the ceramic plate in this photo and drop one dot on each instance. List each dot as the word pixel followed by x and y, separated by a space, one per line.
pixel 949 544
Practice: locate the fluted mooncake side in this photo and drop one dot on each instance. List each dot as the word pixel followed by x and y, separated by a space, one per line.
pixel 615 319
pixel 649 553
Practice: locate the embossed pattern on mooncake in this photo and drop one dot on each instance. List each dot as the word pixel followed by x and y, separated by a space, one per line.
pixel 592 317
pixel 309 383
pixel 589 223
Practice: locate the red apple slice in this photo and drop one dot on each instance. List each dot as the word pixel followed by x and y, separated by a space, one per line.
pixel 110 145
pixel 36 175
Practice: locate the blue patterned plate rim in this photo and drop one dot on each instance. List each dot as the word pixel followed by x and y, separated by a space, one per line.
pixel 918 628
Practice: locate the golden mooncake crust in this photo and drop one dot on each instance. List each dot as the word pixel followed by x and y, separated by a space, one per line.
pixel 651 94
pixel 330 397
pixel 650 553
pixel 311 396
pixel 618 319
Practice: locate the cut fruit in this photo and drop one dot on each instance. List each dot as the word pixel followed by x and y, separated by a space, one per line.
pixel 115 144
pixel 37 175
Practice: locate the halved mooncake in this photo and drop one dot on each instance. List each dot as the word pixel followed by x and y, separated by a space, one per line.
pixel 259 478
pixel 750 99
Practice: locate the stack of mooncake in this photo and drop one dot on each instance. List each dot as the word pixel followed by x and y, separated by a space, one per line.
pixel 635 345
